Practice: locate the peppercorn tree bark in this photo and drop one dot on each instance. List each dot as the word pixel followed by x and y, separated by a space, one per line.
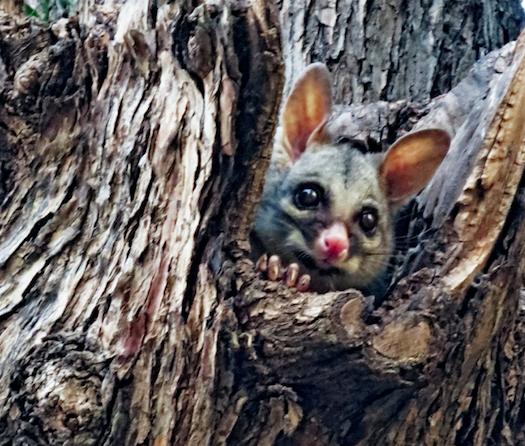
pixel 134 138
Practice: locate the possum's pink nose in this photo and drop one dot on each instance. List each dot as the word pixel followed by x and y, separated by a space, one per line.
pixel 333 244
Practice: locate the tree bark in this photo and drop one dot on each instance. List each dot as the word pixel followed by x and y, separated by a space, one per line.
pixel 128 141
pixel 392 50
pixel 134 139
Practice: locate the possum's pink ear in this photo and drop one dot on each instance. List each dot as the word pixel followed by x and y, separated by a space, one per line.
pixel 306 109
pixel 411 162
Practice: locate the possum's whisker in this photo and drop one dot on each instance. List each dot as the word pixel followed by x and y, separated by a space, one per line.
pixel 414 237
pixel 376 263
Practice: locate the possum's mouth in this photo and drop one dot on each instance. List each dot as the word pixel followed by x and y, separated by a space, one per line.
pixel 323 267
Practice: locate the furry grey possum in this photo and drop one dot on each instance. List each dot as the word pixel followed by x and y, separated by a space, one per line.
pixel 329 209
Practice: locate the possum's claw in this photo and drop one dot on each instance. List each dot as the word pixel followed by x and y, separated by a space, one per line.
pixel 303 283
pixel 273 268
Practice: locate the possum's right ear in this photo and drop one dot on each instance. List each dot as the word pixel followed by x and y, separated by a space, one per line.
pixel 411 162
pixel 307 108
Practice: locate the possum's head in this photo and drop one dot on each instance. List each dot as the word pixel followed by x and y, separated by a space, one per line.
pixel 331 206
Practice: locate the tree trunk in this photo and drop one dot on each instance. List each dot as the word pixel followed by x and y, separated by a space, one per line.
pixel 134 141
pixel 391 50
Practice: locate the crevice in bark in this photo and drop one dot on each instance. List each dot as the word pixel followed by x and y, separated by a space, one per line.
pixel 131 313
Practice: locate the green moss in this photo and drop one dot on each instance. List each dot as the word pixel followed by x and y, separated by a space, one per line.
pixel 46 11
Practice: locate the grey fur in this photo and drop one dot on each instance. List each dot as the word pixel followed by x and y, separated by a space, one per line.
pixel 351 182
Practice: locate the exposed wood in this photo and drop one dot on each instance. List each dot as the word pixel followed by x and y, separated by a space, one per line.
pixel 121 139
pixel 134 139
pixel 432 351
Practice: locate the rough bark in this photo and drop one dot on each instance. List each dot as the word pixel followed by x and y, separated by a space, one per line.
pixel 392 50
pixel 439 361
pixel 128 141
pixel 134 141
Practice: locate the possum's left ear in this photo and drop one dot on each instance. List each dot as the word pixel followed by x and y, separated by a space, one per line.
pixel 411 162
pixel 306 110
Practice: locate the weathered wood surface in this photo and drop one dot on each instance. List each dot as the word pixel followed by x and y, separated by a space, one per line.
pixel 128 141
pixel 392 50
pixel 133 145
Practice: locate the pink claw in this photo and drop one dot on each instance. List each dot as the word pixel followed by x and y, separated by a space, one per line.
pixel 272 266
pixel 262 263
pixel 303 283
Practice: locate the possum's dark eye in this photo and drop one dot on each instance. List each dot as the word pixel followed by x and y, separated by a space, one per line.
pixel 368 220
pixel 307 197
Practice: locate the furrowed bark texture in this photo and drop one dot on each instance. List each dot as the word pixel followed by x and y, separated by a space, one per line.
pixel 128 139
pixel 440 360
pixel 134 140
pixel 391 50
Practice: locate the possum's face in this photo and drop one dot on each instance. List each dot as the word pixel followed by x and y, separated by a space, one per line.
pixel 328 206
pixel 334 217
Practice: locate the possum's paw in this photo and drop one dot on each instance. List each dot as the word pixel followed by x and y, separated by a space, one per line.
pixel 290 276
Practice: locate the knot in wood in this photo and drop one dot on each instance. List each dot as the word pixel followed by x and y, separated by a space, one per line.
pixel 56 396
pixel 26 80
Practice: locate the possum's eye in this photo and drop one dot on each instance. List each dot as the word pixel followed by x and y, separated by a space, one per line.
pixel 368 219
pixel 308 197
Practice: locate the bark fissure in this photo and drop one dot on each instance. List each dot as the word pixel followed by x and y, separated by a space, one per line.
pixel 134 139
